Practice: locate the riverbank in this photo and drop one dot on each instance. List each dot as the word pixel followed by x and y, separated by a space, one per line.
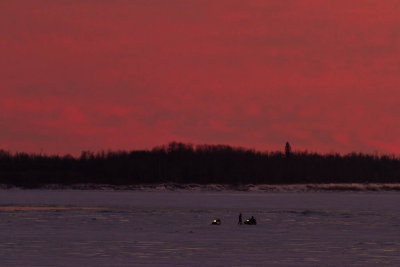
pixel 223 187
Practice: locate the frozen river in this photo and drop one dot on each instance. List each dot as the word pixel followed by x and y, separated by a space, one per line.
pixel 126 228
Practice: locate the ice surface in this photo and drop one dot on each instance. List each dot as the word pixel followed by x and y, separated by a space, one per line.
pixel 126 228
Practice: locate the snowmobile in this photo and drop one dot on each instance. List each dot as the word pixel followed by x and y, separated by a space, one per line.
pixel 251 221
pixel 216 222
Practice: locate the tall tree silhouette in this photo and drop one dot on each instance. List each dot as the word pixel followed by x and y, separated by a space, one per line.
pixel 288 149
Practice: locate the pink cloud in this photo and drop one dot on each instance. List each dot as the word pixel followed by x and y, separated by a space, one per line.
pixel 134 74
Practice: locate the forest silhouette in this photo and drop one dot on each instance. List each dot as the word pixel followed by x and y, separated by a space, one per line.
pixel 202 164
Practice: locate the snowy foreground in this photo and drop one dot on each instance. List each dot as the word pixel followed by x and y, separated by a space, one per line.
pixel 127 228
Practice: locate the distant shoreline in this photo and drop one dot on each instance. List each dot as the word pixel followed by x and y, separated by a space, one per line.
pixel 331 187
pixel 180 164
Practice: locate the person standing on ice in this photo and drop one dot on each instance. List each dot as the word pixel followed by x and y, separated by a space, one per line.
pixel 240 219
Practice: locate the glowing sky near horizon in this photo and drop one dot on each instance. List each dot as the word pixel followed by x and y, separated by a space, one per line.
pixel 97 74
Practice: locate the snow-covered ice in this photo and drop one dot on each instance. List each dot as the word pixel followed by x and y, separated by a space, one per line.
pixel 127 228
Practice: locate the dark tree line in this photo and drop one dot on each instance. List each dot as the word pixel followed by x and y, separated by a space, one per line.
pixel 203 164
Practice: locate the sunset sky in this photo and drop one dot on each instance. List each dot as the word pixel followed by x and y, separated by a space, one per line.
pixel 98 74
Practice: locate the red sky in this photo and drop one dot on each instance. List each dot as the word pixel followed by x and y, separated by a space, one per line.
pixel 98 74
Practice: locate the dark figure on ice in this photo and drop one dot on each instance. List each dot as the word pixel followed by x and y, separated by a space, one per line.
pixel 240 219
